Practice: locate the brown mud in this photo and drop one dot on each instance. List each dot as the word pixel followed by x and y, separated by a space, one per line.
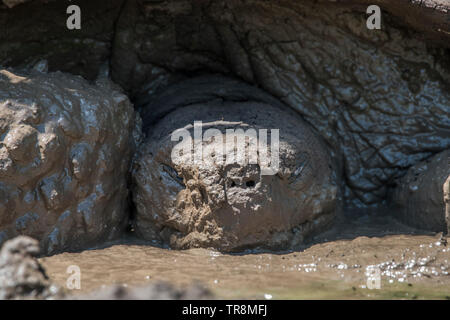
pixel 65 152
pixel 381 98
pixel 231 204
pixel 413 265
pixel 419 197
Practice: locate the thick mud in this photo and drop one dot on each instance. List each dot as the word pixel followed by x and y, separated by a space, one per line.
pixel 412 264
pixel 65 153
pixel 418 196
pixel 21 275
pixel 271 187
pixel 378 98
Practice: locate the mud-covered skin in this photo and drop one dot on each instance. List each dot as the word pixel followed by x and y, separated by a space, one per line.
pixel 231 206
pixel 429 17
pixel 36 30
pixel 21 275
pixel 419 197
pixel 381 96
pixel 446 190
pixel 198 90
pixel 65 151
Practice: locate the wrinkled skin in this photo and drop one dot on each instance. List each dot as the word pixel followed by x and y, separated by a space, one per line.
pixel 380 97
pixel 65 152
pixel 231 206
pixel 419 197
pixel 33 31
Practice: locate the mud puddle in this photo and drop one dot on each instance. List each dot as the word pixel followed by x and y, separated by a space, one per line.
pixel 411 265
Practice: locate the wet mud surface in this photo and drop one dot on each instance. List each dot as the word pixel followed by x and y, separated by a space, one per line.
pixel 413 265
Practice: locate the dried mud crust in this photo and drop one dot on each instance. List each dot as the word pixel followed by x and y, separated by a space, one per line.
pixel 231 206
pixel 65 152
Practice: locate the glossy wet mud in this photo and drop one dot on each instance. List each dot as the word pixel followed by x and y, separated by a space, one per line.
pixel 413 266
pixel 379 99
pixel 234 204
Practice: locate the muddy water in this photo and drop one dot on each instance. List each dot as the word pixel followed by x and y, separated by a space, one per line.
pixel 412 265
